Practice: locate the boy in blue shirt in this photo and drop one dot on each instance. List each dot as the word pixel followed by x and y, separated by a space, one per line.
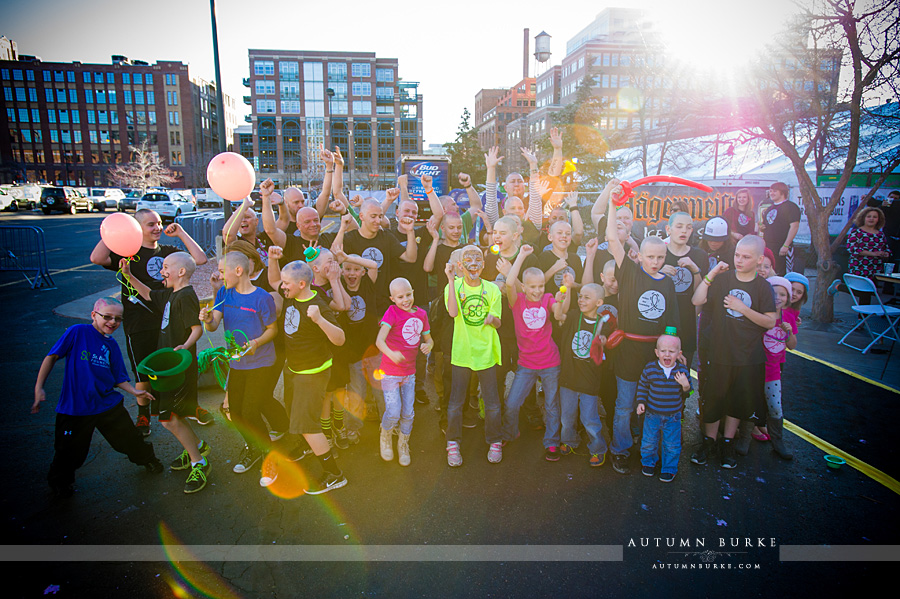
pixel 88 400
pixel 659 393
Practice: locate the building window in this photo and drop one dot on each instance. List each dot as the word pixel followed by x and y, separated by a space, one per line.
pixel 148 78
pixel 384 109
pixel 265 88
pixel 176 157
pixel 46 75
pixel 362 88
pixel 70 76
pixel 362 108
pixel 313 90
pixel 23 115
pixel 151 117
pixel 290 107
pixel 338 107
pixel 138 79
pixel 76 116
pixel 87 77
pixel 290 90
pixel 138 96
pixel 35 116
pixel 126 78
pixel 384 75
pixel 92 136
pixel 175 138
pixel 264 67
pixel 64 116
pixel 289 71
pixel 337 71
pixel 90 117
pixel 51 116
pixel 265 106
pixel 361 69
pixel 151 97
pixel 113 117
pixel 340 91
pixel 128 96
pixel 60 95
pixel 104 137
pixel 54 136
pixel 268 159
pixel 290 140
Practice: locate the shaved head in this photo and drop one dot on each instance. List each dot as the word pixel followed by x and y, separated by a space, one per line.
pixel 180 260
pixel 237 259
pixel 399 285
pixel 651 241
pixel 369 204
pixel 106 301
pixel 594 289
pixel 753 243
pixel 297 271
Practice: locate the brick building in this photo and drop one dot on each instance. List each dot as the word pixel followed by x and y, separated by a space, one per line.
pixel 302 101
pixel 72 122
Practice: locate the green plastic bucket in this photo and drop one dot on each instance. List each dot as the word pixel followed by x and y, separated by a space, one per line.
pixel 165 368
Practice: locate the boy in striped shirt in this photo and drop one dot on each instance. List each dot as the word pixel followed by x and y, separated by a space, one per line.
pixel 660 393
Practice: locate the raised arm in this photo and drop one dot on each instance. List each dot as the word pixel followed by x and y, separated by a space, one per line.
pixel 474 199
pixel 428 261
pixel 434 202
pixel 275 233
pixel 564 299
pixel 512 291
pixel 273 271
pixel 590 255
pixel 556 163
pixel 337 178
pixel 701 292
pixel 571 202
pixel 491 161
pixel 143 290
pixel 325 196
pixel 452 299
pixel 230 230
pixel 615 247
pixel 535 210
pixel 193 248
pixel 390 197
pixel 601 206
pixel 412 249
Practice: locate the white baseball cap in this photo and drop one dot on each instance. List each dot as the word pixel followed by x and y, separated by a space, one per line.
pixel 716 229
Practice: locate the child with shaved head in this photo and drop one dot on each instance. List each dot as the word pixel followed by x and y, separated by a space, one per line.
pixel 88 399
pixel 741 308
pixel 249 315
pixel 404 333
pixel 660 393
pixel 647 306
pixel 180 329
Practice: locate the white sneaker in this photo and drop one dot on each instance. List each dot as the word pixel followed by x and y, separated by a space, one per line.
pixel 495 453
pixel 403 449
pixel 453 456
pixel 269 473
pixel 387 445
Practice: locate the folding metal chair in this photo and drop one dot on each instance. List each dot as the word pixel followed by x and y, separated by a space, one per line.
pixel 858 284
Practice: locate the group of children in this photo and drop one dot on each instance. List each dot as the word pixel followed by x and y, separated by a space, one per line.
pixel 611 338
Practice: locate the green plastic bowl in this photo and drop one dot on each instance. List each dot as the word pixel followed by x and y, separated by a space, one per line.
pixel 834 462
pixel 165 368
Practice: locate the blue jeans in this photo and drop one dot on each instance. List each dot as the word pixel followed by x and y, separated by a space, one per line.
pixel 399 401
pixel 355 401
pixel 459 391
pixel 670 429
pixel 522 384
pixel 621 439
pixel 571 403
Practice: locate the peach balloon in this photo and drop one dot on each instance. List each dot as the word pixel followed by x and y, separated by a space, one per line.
pixel 121 234
pixel 231 176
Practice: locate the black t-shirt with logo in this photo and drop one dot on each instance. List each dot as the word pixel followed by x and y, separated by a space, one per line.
pixel 684 290
pixel 578 370
pixel 646 307
pixel 385 250
pixel 733 338
pixel 295 245
pixel 360 322
pixel 145 267
pixel 546 262
pixel 778 219
pixel 414 272
pixel 180 311
pixel 740 222
pixel 306 345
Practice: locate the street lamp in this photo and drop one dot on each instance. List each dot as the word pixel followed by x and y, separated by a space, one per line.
pixel 220 99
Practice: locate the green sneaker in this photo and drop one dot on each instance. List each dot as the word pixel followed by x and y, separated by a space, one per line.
pixel 183 462
pixel 196 480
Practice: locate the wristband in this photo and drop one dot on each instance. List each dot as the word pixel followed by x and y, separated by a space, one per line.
pixel 429 190
pixel 329 171
pixel 467 186
pixel 707 280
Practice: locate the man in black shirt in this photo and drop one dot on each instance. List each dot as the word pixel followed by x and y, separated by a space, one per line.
pixel 741 308
pixel 308 227
pixel 780 221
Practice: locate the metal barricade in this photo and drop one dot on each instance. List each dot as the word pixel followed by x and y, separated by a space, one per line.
pixel 22 249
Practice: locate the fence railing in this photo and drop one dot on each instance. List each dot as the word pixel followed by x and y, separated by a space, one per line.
pixel 22 249
pixel 203 227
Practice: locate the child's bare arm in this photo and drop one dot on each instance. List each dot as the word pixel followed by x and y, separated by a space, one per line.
pixel 381 343
pixel 143 290
pixel 39 394
pixel 196 331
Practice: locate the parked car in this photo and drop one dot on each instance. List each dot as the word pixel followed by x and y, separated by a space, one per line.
pixel 100 199
pixel 129 202
pixel 26 196
pixel 58 199
pixel 7 201
pixel 168 204
pixel 207 198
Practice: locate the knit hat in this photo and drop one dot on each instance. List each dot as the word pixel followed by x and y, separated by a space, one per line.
pixel 781 282
pixel 716 229
pixel 771 256
pixel 796 277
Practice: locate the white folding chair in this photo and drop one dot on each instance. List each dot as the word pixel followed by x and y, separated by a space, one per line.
pixel 859 284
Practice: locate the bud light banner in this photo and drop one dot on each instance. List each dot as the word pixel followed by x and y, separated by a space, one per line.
pixel 416 168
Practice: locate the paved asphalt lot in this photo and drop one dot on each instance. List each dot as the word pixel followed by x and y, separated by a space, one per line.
pixel 524 501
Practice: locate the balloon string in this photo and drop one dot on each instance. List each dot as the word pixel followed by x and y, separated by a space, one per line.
pixel 125 279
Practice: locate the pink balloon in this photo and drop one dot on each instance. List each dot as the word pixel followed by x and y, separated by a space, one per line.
pixel 121 234
pixel 231 176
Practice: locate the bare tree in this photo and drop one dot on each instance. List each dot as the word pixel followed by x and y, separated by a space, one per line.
pixel 812 96
pixel 145 170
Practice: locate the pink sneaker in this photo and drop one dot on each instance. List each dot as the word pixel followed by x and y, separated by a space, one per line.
pixel 495 453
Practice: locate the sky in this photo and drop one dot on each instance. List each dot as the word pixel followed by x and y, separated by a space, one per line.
pixel 452 49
